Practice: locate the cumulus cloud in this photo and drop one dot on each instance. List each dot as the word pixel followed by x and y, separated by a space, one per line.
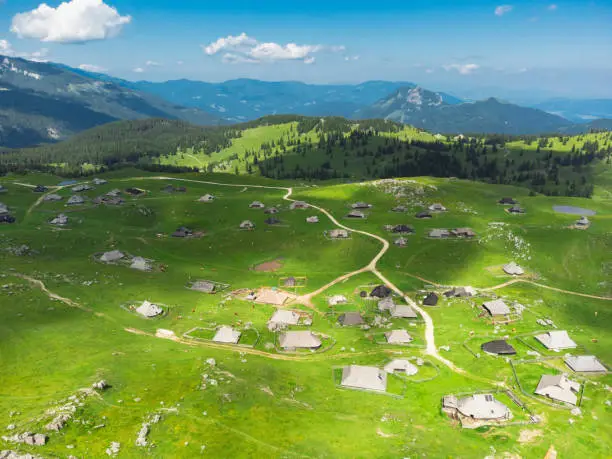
pixel 502 9
pixel 229 42
pixel 152 64
pixel 463 69
pixel 73 21
pixel 245 49
pixel 92 68
pixel 138 70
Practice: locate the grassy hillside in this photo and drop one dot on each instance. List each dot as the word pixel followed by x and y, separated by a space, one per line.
pixel 265 403
pixel 294 147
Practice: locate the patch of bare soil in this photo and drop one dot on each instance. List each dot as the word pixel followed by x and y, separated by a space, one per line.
pixel 269 266
pixel 380 433
pixel 527 436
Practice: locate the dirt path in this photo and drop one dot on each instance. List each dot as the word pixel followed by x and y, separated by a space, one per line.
pixel 54 296
pixel 52 189
pixel 371 267
pixel 517 281
pixel 257 352
pixel 548 287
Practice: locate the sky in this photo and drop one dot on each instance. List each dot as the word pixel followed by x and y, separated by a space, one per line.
pixel 470 48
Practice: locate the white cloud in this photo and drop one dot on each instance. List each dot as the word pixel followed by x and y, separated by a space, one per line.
pixel 229 42
pixel 92 68
pixel 502 9
pixel 463 69
pixel 288 52
pixel 152 64
pixel 523 70
pixel 351 58
pixel 245 49
pixel 138 70
pixel 552 7
pixel 179 62
pixel 429 70
pixel 73 21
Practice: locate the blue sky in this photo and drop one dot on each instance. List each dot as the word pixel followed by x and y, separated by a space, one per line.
pixel 474 49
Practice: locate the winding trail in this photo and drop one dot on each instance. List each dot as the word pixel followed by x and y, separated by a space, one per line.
pixel 371 267
pixel 430 349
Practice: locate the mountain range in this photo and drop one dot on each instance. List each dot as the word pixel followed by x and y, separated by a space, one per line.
pixel 47 102
pixel 429 110
pixel 42 102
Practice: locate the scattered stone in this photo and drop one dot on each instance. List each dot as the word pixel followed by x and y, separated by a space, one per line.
pixel 100 385
pixel 113 449
pixel 8 454
pixel 576 411
pixel 27 438
pixel 59 422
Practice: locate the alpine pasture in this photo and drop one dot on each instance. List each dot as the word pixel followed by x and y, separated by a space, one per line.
pixel 64 324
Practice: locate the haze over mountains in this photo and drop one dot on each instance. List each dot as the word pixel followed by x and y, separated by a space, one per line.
pixel 46 102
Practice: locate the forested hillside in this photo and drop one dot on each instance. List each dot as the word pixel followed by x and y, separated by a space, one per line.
pixel 294 147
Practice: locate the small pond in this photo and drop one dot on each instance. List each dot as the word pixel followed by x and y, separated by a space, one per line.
pixel 573 210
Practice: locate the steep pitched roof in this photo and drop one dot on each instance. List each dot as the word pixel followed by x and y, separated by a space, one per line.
pixel 273 297
pixel 557 339
pixel 585 364
pixel 403 311
pixel 497 308
pixel 148 309
pixel 285 317
pixel 498 347
pixel 140 264
pixel 113 255
pixel 351 318
pixel 226 334
pixel 431 299
pixel 558 387
pixel 398 337
pixel 362 377
pixel 380 291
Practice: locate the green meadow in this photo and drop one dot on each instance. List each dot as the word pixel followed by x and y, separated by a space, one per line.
pixel 64 324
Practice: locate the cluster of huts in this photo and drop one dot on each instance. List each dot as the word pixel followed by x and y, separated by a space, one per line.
pixel 116 256
pixel 5 214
